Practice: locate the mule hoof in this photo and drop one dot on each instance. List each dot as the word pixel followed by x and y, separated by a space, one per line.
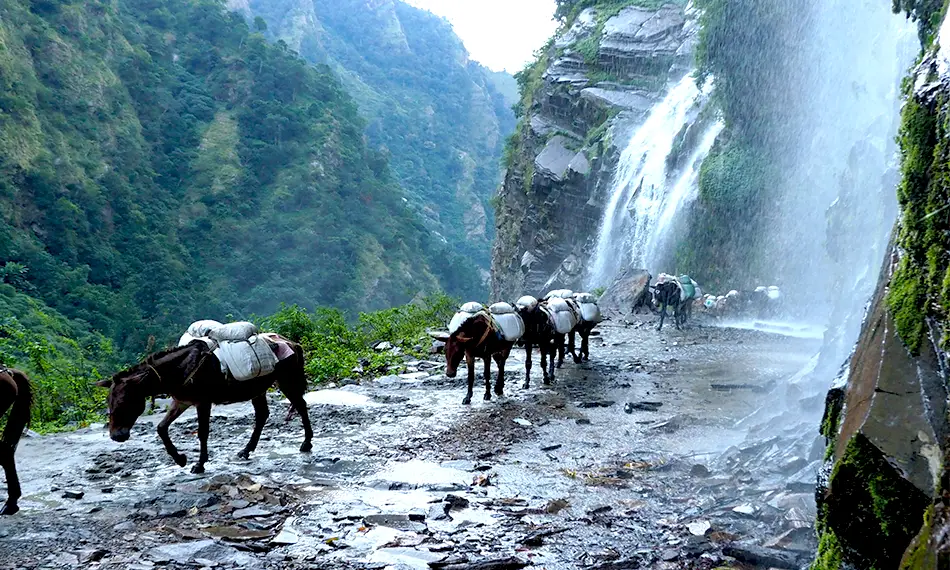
pixel 180 460
pixel 305 447
pixel 467 401
pixel 578 360
pixel 198 469
pixel 244 454
pixel 487 396
pixel 499 392
pixel 9 509
pixel 525 386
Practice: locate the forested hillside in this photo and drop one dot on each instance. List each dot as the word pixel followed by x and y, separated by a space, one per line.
pixel 160 161
pixel 440 117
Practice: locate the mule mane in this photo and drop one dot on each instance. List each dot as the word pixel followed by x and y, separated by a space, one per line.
pixel 159 358
pixel 479 318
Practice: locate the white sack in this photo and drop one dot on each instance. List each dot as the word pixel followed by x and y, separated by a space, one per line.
pixel 233 332
pixel 590 312
pixel 511 326
pixel 472 307
pixel 585 298
pixel 246 360
pixel 501 309
pixel 202 328
pixel 187 338
pixel 466 311
pixel 527 302
pixel 565 319
pixel 559 294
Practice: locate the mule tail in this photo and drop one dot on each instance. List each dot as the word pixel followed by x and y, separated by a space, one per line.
pixel 19 417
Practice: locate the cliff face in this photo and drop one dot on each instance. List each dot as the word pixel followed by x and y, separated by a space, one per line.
pixel 883 494
pixel 440 118
pixel 592 85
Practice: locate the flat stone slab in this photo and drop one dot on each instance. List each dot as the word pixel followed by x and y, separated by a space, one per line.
pixel 555 159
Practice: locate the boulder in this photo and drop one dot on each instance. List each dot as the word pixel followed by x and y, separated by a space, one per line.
pixel 555 159
pixel 625 292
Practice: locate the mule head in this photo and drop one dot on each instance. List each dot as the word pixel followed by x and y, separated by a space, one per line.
pixel 455 352
pixel 127 397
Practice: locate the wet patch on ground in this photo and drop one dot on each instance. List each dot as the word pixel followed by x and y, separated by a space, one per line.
pixel 631 460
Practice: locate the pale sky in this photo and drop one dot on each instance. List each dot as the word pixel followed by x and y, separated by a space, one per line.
pixel 499 34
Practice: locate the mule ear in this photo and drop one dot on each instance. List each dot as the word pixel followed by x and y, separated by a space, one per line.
pixel 439 335
pixel 463 339
pixel 104 383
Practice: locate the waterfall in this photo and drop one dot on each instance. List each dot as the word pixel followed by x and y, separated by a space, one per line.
pixel 640 193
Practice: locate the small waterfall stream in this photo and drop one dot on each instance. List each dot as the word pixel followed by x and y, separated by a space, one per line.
pixel 645 195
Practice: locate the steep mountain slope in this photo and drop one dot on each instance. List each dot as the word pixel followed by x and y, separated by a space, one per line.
pixel 159 161
pixel 592 86
pixel 440 117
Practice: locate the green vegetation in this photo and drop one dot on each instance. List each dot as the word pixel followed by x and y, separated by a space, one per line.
pixel 919 555
pixel 868 514
pixel 927 13
pixel 336 350
pixel 919 287
pixel 429 110
pixel 159 162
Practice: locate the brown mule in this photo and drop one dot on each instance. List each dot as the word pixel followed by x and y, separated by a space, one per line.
pixel 476 338
pixel 16 395
pixel 192 376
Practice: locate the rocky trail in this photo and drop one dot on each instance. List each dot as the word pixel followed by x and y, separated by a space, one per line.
pixel 632 460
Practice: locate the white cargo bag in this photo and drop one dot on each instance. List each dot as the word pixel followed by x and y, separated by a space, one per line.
pixel 527 302
pixel 511 326
pixel 565 319
pixel 233 332
pixel 590 312
pixel 199 329
pixel 559 294
pixel 585 298
pixel 187 338
pixel 248 359
pixel 466 311
pixel 501 309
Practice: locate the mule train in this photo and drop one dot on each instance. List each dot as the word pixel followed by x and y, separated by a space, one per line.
pixel 480 333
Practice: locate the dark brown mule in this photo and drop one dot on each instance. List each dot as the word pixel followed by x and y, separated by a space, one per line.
pixel 540 332
pixel 16 395
pixel 476 338
pixel 192 376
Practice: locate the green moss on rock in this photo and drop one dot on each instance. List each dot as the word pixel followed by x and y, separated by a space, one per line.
pixel 829 552
pixel 869 513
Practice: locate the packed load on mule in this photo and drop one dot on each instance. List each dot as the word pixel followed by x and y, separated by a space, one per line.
pixel 16 395
pixel 214 364
pixel 540 331
pixel 678 293
pixel 477 332
pixel 243 351
pixel 590 318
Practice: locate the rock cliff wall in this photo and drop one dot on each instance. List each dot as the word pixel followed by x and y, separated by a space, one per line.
pixel 883 494
pixel 591 86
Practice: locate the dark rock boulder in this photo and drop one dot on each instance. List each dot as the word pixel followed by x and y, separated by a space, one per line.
pixel 627 294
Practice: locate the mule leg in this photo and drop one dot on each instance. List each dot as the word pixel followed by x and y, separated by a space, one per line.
pixel 543 348
pixel 173 413
pixel 487 360
pixel 552 355
pixel 662 316
pixel 13 482
pixel 560 351
pixel 573 347
pixel 261 413
pixel 298 403
pixel 527 364
pixel 204 428
pixel 470 360
pixel 585 345
pixel 500 359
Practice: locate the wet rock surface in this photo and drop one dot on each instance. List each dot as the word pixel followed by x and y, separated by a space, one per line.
pixel 403 476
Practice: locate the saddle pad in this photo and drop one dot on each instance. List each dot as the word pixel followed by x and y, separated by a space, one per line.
pixel 511 326
pixel 246 360
pixel 281 346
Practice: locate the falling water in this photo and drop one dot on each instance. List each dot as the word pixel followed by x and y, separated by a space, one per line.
pixel 652 230
pixel 640 183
